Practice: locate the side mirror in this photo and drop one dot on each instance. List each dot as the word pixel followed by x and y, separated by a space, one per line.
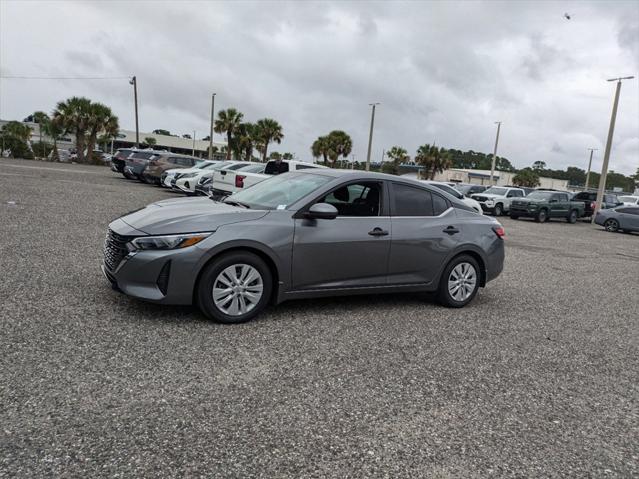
pixel 322 211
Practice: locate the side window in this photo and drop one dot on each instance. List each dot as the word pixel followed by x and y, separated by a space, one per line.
pixel 632 211
pixel 439 205
pixel 174 161
pixel 356 199
pixel 510 194
pixel 519 194
pixel 411 201
pixel 562 197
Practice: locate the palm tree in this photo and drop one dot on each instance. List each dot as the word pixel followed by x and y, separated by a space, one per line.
pixel 244 141
pixel 268 130
pixel 40 118
pixel 149 140
pixel 339 144
pixel 433 159
pixel 100 120
pixel 398 155
pixel 73 114
pixel 320 147
pixel 55 130
pixel 17 130
pixel 228 121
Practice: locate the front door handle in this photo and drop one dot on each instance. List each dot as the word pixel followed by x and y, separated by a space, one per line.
pixel 378 232
pixel 451 230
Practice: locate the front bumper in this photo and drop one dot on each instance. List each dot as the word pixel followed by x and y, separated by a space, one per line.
pixel 523 212
pixel 488 208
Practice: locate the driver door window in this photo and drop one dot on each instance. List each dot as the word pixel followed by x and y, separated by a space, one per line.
pixel 356 199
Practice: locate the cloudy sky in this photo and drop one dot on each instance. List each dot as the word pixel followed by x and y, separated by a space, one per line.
pixel 442 71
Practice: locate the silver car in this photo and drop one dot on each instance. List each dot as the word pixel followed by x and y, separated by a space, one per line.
pixel 622 218
pixel 312 233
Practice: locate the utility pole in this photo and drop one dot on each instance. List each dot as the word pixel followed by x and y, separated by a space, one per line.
pixel 134 82
pixel 212 120
pixel 370 137
pixel 492 165
pixel 193 152
pixel 589 166
pixel 611 130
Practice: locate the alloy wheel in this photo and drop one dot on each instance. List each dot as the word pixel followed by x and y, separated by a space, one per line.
pixel 462 281
pixel 237 289
pixel 611 225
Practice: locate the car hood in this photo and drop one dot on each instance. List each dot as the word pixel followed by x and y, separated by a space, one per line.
pixel 526 201
pixel 187 215
pixel 484 195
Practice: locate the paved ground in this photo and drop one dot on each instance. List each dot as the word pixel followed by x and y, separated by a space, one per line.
pixel 538 377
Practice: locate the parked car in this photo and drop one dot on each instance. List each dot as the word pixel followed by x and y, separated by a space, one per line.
pixel 118 161
pixel 137 162
pixel 474 204
pixel 204 183
pixel 497 199
pixel 623 218
pixel 544 205
pixel 629 200
pixel 320 232
pixel 589 199
pixel 187 183
pixel 235 176
pixel 64 156
pixel 167 177
pixel 468 190
pixel 224 186
pixel 154 167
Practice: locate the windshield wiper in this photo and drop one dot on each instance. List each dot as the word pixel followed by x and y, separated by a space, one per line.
pixel 237 203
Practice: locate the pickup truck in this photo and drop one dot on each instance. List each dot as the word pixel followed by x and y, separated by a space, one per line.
pixel 543 205
pixel 589 199
pixel 226 183
pixel 497 199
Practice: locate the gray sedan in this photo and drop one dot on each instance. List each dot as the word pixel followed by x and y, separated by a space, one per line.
pixel 623 218
pixel 300 235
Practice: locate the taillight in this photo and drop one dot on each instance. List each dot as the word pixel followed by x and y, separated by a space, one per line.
pixel 499 231
pixel 239 181
pixel 592 205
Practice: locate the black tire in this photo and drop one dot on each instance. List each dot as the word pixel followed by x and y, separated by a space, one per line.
pixel 611 225
pixel 211 273
pixel 499 209
pixel 572 217
pixel 444 295
pixel 542 216
pixel 514 217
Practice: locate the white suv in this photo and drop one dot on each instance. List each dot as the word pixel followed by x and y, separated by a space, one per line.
pixel 497 199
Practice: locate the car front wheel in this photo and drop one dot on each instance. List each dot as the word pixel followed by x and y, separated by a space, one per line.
pixel 499 209
pixel 611 225
pixel 542 216
pixel 234 288
pixel 459 282
pixel 572 217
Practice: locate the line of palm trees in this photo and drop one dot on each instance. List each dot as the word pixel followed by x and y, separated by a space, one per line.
pixel 243 137
pixel 432 159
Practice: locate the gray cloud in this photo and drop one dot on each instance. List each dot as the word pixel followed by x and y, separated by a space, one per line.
pixel 443 72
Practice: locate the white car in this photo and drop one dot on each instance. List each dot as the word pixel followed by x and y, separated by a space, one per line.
pixel 187 182
pixel 497 199
pixel 456 193
pixel 629 200
pixel 226 182
pixel 169 175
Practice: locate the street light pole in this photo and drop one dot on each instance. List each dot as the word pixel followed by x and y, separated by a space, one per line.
pixel 492 165
pixel 212 120
pixel 134 82
pixel 611 130
pixel 370 137
pixel 193 152
pixel 589 166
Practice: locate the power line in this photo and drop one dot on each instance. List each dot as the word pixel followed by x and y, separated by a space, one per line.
pixel 24 77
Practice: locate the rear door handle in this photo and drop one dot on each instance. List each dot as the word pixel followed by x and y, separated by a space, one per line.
pixel 378 232
pixel 451 230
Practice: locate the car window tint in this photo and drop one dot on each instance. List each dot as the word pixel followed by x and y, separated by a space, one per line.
pixel 356 199
pixel 632 211
pixel 174 160
pixel 439 205
pixel 411 201
pixel 304 167
pixel 275 168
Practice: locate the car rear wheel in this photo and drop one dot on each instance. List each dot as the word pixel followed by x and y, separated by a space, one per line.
pixel 542 216
pixel 611 225
pixel 459 282
pixel 514 217
pixel 499 209
pixel 234 288
pixel 572 217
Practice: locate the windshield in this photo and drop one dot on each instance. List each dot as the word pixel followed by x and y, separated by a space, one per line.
pixel 448 189
pixel 252 168
pixel 202 164
pixel 540 195
pixel 628 199
pixel 496 191
pixel 278 192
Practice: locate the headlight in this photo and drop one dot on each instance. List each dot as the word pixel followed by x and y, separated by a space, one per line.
pixel 169 241
pixel 204 180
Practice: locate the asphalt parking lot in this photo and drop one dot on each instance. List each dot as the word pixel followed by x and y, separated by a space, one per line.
pixel 538 377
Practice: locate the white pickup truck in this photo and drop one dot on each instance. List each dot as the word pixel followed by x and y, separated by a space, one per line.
pixel 228 182
pixel 497 199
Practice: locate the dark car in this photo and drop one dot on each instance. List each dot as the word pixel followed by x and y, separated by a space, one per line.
pixel 137 161
pixel 589 199
pixel 311 233
pixel 544 205
pixel 468 190
pixel 118 161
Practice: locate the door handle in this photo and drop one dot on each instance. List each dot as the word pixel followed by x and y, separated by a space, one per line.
pixel 378 232
pixel 451 230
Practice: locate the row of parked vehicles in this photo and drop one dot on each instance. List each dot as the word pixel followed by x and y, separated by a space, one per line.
pixel 217 178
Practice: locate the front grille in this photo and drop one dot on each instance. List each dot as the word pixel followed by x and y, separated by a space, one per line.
pixel 479 198
pixel 115 249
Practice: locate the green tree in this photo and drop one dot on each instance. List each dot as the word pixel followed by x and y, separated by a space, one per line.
pixel 40 118
pixel 149 140
pixel 397 155
pixel 320 147
pixel 539 165
pixel 228 121
pixel 14 136
pixel 162 132
pixel 287 156
pixel 101 120
pixel 267 131
pixel 339 144
pixel 527 177
pixel 275 155
pixel 74 114
pixel 433 159
pixel 244 141
pixel 55 129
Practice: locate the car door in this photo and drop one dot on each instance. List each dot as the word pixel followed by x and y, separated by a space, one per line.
pixel 350 250
pixel 425 230
pixel 558 205
pixel 629 218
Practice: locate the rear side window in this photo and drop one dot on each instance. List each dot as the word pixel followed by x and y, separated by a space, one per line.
pixel 411 201
pixel 174 160
pixel 439 205
pixel 628 211
pixel 274 168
